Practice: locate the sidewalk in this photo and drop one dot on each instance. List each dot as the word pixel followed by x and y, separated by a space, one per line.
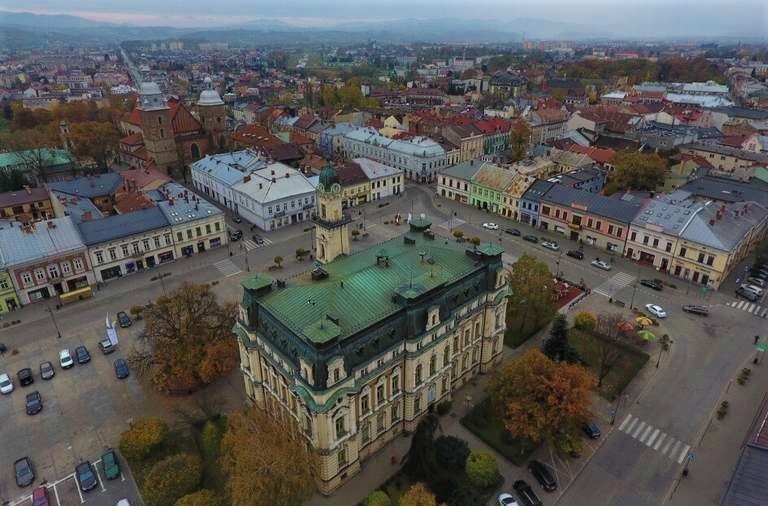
pixel 718 451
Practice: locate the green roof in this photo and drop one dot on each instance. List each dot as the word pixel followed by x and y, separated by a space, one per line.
pixel 359 292
pixel 19 159
pixel 257 282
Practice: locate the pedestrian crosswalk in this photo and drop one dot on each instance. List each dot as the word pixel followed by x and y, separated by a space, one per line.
pixel 749 307
pixel 250 245
pixel 452 223
pixel 227 267
pixel 654 438
pixel 613 285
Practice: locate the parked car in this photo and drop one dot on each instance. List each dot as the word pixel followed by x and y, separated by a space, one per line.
pixel 543 475
pixel 110 464
pixel 574 253
pixel 82 354
pixel 601 264
pixel 24 472
pixel 123 502
pixel 40 496
pixel 106 346
pixel 86 477
pixel 6 384
pixel 121 368
pixel 123 319
pixel 34 403
pixel 753 288
pixel 235 235
pixel 506 499
pixel 490 226
pixel 512 231
pixel 46 370
pixel 550 245
pixel 65 359
pixel 652 283
pixel 695 309
pixel 747 294
pixel 25 377
pixel 656 310
pixel 762 283
pixel 591 430
pixel 531 238
pixel 526 494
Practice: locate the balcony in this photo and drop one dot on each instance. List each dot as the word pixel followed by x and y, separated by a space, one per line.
pixel 345 219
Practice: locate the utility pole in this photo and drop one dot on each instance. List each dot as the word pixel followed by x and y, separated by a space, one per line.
pixel 53 319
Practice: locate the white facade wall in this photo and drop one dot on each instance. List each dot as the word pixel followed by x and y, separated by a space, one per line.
pixel 131 254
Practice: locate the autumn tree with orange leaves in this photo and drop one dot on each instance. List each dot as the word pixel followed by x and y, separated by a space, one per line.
pixel 538 398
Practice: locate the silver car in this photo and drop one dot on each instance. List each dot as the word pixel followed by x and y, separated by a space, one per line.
pixel 601 264
pixel 46 370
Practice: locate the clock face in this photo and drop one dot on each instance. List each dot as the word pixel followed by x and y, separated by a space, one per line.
pixel 336 188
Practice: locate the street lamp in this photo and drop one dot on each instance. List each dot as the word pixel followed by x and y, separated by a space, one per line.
pixel 53 319
pixel 616 409
pixel 247 266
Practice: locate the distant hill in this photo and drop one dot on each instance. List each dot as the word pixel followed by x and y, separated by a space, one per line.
pixel 46 21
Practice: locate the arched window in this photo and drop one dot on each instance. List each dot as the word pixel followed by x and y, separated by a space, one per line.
pixel 195 150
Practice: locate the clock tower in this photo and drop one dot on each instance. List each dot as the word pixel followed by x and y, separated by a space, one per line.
pixel 331 224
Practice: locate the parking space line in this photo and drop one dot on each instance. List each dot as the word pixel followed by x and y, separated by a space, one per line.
pixel 629 417
pixel 661 440
pixel 652 438
pixel 56 494
pixel 98 477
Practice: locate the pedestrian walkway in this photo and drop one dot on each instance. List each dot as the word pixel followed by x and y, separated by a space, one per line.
pixel 749 307
pixel 227 267
pixel 452 223
pixel 250 245
pixel 614 284
pixel 654 438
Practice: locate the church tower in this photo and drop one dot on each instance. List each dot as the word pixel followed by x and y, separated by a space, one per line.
pixel 157 127
pixel 331 224
pixel 213 115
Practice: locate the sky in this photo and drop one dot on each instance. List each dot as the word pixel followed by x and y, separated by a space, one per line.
pixel 631 17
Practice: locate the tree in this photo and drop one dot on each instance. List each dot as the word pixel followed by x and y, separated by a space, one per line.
pixel 201 498
pixel 537 398
pixel 95 139
pixel 12 180
pixel 519 138
pixel 556 346
pixel 32 147
pixel 172 478
pixel 278 261
pixel 636 171
pixel 143 439
pixel 419 461
pixel 584 320
pixel 267 463
pixel 189 340
pixel 451 452
pixel 529 306
pixel 377 498
pixel 482 470
pixel 475 241
pixel 418 495
pixel 458 234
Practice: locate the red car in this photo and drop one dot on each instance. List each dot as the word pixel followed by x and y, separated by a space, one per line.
pixel 40 497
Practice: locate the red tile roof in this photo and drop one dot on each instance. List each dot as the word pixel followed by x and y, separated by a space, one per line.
pixel 132 140
pixel 491 125
pixel 600 155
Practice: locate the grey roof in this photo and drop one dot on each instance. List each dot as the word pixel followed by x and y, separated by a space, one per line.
pixel 180 205
pixel 76 206
pixel 617 209
pixel 465 170
pixel 122 225
pixel 230 168
pixel 276 181
pixel 89 186
pixel 39 240
pixel 742 112
pixel 748 486
pixel 723 226
pixel 374 170
pixel 720 149
pixel 538 189
pixel 671 216
pixel 728 190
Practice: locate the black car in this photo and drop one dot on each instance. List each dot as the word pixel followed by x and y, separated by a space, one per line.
pixel 235 235
pixel 86 477
pixel 25 473
pixel 747 294
pixel 531 238
pixel 121 368
pixel 591 430
pixel 258 240
pixel 82 355
pixel 543 475
pixel 526 494
pixel 237 219
pixel 46 370
pixel 694 309
pixel 25 377
pixel 124 320
pixel 652 283
pixel 34 403
pixel 574 253
pixel 512 231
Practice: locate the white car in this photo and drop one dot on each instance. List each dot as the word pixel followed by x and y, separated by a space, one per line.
pixel 490 226
pixel 601 264
pixel 656 311
pixel 550 245
pixel 123 502
pixel 6 384
pixel 506 500
pixel 753 288
pixel 65 359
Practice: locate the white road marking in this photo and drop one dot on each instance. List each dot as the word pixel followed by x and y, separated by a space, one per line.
pixel 639 428
pixel 666 447
pixel 632 425
pixel 757 310
pixel 750 308
pixel 627 419
pixel 652 438
pixel 683 454
pixel 98 476
pixel 660 440
pixel 741 304
pixel 645 434
pixel 674 449
pixel 56 493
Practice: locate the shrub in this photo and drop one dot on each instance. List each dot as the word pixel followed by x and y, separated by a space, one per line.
pixel 172 478
pixel 482 470
pixel 585 321
pixel 201 498
pixel 136 310
pixel 210 440
pixel 278 261
pixel 444 407
pixel 475 241
pixel 418 495
pixel 466 496
pixel 377 498
pixel 143 438
pixel 451 452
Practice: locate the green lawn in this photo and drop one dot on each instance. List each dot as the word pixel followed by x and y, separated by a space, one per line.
pixel 483 423
pixel 628 360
